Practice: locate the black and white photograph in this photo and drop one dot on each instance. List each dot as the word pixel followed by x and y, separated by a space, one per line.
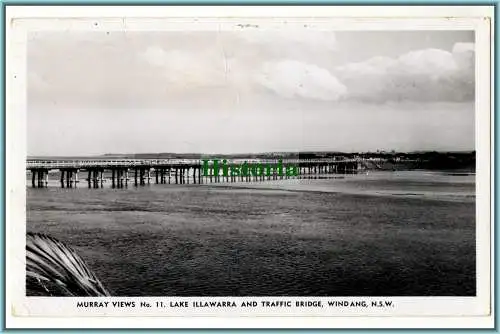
pixel 290 160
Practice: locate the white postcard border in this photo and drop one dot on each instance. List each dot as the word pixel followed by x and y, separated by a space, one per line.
pixel 58 312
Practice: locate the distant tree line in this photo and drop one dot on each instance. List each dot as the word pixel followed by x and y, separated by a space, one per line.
pixel 409 160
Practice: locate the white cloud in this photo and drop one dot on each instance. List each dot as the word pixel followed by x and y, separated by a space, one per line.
pixel 292 39
pixel 463 47
pixel 37 82
pixel 212 67
pixel 188 69
pixel 290 79
pixel 422 75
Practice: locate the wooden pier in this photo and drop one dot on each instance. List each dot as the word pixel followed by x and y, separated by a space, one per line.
pixel 121 173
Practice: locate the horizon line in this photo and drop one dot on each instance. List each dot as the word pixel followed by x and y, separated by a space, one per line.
pixel 257 153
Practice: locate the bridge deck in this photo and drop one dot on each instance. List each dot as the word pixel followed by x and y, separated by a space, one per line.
pixel 166 163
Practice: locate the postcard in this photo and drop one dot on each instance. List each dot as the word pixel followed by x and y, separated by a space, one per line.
pixel 249 167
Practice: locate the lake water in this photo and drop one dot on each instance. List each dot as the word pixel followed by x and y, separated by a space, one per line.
pixel 376 234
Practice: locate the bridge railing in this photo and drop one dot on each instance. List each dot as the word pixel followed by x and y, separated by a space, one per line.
pixel 164 162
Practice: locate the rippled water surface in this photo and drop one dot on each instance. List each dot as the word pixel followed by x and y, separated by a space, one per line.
pixel 385 233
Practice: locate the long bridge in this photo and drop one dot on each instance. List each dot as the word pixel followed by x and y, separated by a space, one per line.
pixel 179 171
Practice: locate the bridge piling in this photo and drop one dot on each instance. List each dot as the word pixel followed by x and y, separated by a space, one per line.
pixel 142 172
pixel 70 178
pixel 118 177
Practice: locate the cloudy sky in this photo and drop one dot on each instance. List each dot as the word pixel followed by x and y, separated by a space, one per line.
pixel 249 90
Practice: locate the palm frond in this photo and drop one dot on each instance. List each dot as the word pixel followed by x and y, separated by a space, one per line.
pixel 58 270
